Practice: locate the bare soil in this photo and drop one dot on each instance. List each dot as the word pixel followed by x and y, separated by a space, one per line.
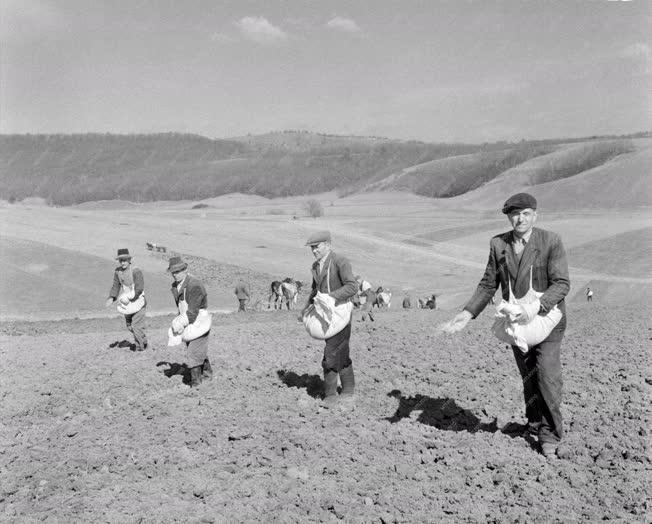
pixel 93 432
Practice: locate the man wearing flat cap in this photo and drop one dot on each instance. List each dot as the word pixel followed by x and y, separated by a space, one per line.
pixel 192 301
pixel 517 259
pixel 128 290
pixel 332 274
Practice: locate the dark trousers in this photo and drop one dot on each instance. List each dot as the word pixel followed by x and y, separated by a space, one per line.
pixel 336 352
pixel 242 304
pixel 540 370
pixel 136 324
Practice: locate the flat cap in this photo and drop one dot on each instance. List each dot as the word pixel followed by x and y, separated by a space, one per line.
pixel 519 201
pixel 317 237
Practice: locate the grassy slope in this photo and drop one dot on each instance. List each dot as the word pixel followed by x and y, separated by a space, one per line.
pixel 456 175
pixel 47 280
pixel 622 182
pixel 78 168
pixel 628 252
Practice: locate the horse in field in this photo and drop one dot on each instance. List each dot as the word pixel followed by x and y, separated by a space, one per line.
pixel 286 290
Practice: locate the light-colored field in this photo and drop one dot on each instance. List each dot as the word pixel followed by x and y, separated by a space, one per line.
pixel 408 243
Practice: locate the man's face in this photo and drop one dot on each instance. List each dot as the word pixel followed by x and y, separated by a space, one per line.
pixel 125 263
pixel 320 250
pixel 522 220
pixel 179 276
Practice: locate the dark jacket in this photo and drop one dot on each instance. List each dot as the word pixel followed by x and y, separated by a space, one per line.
pixel 343 285
pixel 544 253
pixel 121 276
pixel 195 295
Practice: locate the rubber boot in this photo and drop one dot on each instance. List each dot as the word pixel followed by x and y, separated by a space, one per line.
pixel 195 376
pixel 348 381
pixel 330 388
pixel 206 370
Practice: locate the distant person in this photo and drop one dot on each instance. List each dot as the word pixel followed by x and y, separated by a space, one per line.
pixel 332 274
pixel 589 294
pixel 129 291
pixel 363 285
pixel 431 303
pixel 407 302
pixel 242 292
pixel 192 301
pixel 367 301
pixel 518 260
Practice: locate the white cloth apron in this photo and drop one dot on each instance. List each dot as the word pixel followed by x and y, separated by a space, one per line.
pixel 127 292
pixel 324 319
pixel 524 336
pixel 182 331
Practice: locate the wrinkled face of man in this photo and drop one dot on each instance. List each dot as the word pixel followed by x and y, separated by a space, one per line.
pixel 125 263
pixel 522 220
pixel 320 250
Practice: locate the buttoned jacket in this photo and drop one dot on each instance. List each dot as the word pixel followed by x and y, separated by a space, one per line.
pixel 343 285
pixel 543 254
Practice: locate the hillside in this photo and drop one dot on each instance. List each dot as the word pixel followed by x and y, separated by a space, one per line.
pixel 72 169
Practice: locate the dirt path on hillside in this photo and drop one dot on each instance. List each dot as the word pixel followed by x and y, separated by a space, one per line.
pixel 93 432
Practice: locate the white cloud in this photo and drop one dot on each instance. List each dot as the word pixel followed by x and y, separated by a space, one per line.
pixel 260 30
pixel 343 24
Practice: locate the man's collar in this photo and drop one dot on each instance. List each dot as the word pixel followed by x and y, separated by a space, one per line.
pixel 525 238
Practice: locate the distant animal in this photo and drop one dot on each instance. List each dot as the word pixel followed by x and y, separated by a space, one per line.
pixel 383 298
pixel 291 290
pixel 428 302
pixel 151 246
pixel 286 291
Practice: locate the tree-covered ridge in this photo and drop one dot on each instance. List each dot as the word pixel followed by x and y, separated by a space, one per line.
pixel 70 169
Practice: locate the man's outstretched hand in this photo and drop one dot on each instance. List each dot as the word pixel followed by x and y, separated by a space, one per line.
pixel 458 323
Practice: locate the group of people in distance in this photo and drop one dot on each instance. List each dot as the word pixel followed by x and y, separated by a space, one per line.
pixel 521 259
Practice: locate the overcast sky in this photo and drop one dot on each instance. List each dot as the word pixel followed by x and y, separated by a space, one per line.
pixel 427 70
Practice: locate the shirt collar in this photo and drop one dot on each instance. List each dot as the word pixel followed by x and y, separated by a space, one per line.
pixel 525 238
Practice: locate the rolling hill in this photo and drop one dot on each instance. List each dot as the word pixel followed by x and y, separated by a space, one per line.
pixel 73 169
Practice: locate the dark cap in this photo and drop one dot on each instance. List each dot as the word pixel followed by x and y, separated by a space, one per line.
pixel 175 264
pixel 519 201
pixel 317 237
pixel 123 254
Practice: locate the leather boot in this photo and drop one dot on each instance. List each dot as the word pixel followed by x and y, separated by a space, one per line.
pixel 206 370
pixel 195 376
pixel 348 381
pixel 330 388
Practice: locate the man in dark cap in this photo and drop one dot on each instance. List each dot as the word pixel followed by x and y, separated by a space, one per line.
pixel 192 300
pixel 128 290
pixel 513 257
pixel 332 274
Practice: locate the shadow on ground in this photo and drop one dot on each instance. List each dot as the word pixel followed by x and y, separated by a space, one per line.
pixel 313 384
pixel 171 369
pixel 441 413
pixel 123 344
